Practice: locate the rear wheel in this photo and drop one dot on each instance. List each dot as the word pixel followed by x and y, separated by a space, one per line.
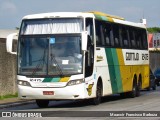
pixel 42 103
pixel 134 91
pixel 138 87
pixel 97 99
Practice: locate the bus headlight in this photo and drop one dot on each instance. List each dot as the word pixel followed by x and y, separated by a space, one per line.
pixel 75 82
pixel 24 83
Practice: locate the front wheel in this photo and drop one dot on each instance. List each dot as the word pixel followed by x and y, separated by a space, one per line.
pixel 42 103
pixel 97 99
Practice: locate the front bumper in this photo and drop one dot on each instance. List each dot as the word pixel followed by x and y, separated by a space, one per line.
pixel 69 92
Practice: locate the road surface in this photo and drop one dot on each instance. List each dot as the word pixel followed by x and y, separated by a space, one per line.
pixel 148 101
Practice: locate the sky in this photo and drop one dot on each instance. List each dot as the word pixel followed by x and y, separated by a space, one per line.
pixel 12 11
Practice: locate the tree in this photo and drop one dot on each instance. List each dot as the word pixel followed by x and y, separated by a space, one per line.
pixel 154 30
pixel 17 28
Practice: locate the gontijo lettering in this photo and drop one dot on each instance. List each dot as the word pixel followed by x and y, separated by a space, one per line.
pixel 132 56
pixel 136 56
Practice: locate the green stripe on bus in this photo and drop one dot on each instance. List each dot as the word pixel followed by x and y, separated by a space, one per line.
pixel 111 70
pixel 117 71
pixel 47 80
pixel 51 80
pixel 104 18
pixel 114 70
pixel 98 17
pixel 55 79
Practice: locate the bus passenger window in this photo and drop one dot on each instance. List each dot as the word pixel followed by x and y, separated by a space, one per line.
pixel 116 35
pixel 107 41
pixel 102 34
pixel 132 38
pixel 124 36
pixel 144 39
pixel 107 34
pixel 98 34
pixel 116 41
pixel 138 38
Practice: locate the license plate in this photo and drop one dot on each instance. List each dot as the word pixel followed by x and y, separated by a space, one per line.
pixel 48 92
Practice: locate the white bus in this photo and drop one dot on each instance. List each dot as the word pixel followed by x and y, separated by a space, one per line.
pixel 76 55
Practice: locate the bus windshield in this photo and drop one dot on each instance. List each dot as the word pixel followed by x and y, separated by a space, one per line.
pixel 51 26
pixel 52 55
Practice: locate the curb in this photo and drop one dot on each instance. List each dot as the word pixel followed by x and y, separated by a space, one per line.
pixel 13 104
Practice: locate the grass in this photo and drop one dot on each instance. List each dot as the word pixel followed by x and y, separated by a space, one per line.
pixel 8 96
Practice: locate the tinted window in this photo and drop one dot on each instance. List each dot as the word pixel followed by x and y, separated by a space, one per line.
pixel 132 38
pixel 116 35
pixel 98 33
pixel 120 36
pixel 124 36
pixel 107 30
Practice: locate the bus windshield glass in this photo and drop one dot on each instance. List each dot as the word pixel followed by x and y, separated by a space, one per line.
pixel 52 26
pixel 50 55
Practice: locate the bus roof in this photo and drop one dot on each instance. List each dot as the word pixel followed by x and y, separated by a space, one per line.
pixel 93 14
pixel 58 15
pixel 115 19
pixel 100 14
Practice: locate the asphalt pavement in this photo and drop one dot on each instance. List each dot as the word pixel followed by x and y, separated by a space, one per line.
pixel 10 102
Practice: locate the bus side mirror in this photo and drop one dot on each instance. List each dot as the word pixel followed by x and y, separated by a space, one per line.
pixel 9 43
pixel 84 40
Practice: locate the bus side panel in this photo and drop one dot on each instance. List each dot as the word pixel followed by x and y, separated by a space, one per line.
pixel 125 71
pixel 145 82
pixel 114 70
pixel 142 70
pixel 121 75
pixel 102 71
pixel 138 66
pixel 121 71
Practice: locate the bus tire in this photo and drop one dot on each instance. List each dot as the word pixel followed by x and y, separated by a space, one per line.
pixel 138 88
pixel 97 99
pixel 42 103
pixel 134 90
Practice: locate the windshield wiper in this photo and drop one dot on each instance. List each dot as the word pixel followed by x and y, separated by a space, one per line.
pixel 41 62
pixel 56 64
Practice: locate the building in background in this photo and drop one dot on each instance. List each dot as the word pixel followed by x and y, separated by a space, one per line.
pixel 154 50
pixel 154 41
pixel 150 40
